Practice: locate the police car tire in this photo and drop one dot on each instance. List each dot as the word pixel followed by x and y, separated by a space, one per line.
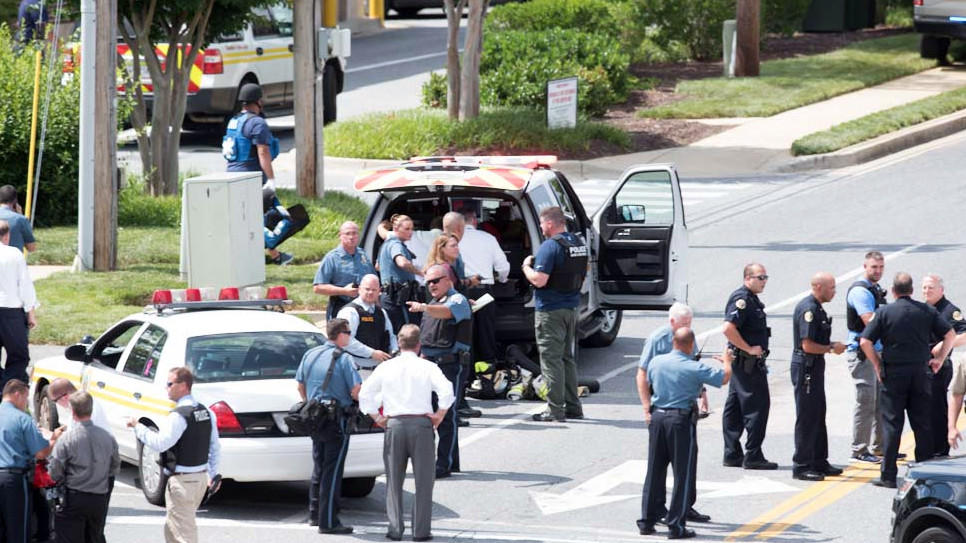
pixel 938 534
pixel 155 494
pixel 358 487
pixel 46 411
pixel 605 336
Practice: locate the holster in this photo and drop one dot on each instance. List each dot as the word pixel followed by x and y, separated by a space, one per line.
pixel 747 362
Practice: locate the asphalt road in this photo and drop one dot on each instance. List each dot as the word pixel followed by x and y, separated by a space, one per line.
pixel 581 481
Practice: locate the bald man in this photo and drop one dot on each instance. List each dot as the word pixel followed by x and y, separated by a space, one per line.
pixel 341 270
pixel 811 335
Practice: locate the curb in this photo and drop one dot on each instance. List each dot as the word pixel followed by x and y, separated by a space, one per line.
pixel 881 146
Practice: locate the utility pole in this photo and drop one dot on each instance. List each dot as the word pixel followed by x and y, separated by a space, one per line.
pixel 105 136
pixel 307 18
pixel 746 58
pixel 85 154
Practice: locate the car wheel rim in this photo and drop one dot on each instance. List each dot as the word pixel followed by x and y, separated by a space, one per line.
pixel 610 320
pixel 150 469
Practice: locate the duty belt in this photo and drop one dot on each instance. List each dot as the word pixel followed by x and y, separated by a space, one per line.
pixel 679 410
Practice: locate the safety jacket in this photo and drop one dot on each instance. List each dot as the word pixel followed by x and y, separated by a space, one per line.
pixel 372 328
pixel 570 276
pixel 192 447
pixel 444 333
pixel 852 318
pixel 236 146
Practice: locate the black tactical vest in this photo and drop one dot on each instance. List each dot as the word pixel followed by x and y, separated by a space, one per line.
pixel 372 328
pixel 192 447
pixel 852 318
pixel 570 276
pixel 443 333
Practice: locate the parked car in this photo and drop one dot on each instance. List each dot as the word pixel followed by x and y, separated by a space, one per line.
pixel 244 360
pixel 929 504
pixel 939 22
pixel 409 8
pixel 638 238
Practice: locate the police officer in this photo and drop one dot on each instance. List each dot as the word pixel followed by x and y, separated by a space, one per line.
pixel 398 271
pixel 811 340
pixel 249 146
pixel 21 443
pixel 905 328
pixel 190 456
pixel 341 270
pixel 934 293
pixel 862 299
pixel 372 337
pixel 672 417
pixel 446 336
pixel 748 403
pixel 557 274
pixel 326 374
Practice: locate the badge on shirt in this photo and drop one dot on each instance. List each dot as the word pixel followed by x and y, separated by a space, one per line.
pixel 740 304
pixel 809 316
pixel 957 316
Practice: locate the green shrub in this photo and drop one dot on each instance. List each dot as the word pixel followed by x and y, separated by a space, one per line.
pixel 8 11
pixel 783 16
pixel 434 90
pixel 591 16
pixel 696 23
pixel 136 207
pixel 516 65
pixel 899 15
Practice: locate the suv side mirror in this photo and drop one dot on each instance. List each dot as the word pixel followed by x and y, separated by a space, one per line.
pixel 76 352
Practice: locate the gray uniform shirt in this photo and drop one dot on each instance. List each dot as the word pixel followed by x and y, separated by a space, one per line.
pixel 84 457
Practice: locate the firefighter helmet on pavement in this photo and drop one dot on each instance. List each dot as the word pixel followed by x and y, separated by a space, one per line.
pixel 249 92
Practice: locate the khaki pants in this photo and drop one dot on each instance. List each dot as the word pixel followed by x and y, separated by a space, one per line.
pixel 182 496
pixel 556 340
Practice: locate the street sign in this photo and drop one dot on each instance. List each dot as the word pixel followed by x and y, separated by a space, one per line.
pixel 562 103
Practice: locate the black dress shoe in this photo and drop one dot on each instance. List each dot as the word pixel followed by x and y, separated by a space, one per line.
pixel 682 534
pixel 809 476
pixel 547 416
pixel 313 519
pixel 424 538
pixel 461 422
pixel 576 415
pixel 646 529
pixel 831 470
pixel 760 464
pixel 469 412
pixel 440 474
pixel 885 483
pixel 733 463
pixel 694 516
pixel 336 530
pixel 394 537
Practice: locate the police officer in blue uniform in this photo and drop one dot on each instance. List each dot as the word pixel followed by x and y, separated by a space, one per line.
pixel 446 336
pixel 249 146
pixel 811 340
pixel 20 443
pixel 748 403
pixel 398 274
pixel 677 381
pixel 933 292
pixel 326 374
pixel 341 270
pixel 905 328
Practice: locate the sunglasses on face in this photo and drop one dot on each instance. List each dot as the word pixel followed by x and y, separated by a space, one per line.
pixel 172 383
pixel 762 277
pixel 434 281
pixel 346 332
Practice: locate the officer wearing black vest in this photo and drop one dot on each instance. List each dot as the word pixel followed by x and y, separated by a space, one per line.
pixel 557 273
pixel 748 403
pixel 446 336
pixel 189 442
pixel 905 328
pixel 933 292
pixel 862 299
pixel 372 338
pixel 811 340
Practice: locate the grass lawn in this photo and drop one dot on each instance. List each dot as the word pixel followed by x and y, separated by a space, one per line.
pixel 73 305
pixel 413 132
pixel 789 83
pixel 880 122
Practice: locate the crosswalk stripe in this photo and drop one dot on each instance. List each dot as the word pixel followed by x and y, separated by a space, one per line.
pixel 593 193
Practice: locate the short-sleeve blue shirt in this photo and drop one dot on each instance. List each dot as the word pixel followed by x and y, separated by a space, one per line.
pixel 340 268
pixel 659 342
pixel 459 306
pixel 312 370
pixel 257 130
pixel 549 256
pixel 20 231
pixel 864 302
pixel 389 272
pixel 676 379
pixel 20 440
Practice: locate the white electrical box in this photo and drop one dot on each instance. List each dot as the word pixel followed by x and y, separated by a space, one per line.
pixel 222 240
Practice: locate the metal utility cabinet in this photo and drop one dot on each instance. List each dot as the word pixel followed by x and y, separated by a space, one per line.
pixel 222 243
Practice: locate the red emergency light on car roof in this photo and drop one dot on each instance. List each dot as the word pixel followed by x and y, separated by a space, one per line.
pixel 228 293
pixel 161 297
pixel 227 297
pixel 277 293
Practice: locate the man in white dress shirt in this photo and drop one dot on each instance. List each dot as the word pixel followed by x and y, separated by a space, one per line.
pixel 372 337
pixel 484 257
pixel 17 303
pixel 398 397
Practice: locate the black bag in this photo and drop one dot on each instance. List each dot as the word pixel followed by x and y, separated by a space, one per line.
pixel 307 416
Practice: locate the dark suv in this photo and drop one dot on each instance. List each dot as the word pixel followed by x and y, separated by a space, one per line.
pixel 929 505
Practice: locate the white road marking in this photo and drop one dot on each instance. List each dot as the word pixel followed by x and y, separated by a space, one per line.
pixel 394 62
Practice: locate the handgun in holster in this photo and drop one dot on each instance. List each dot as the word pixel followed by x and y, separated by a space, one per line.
pixel 465 358
pixel 748 362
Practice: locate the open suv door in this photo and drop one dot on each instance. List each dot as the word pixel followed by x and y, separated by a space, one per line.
pixel 640 257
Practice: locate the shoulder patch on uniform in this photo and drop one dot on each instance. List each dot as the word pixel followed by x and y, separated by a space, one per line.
pixel 457 298
pixel 809 316
pixel 957 315
pixel 740 303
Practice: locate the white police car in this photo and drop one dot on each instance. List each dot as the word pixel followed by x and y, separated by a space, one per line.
pixel 244 357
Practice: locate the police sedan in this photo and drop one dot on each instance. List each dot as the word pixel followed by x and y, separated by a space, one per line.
pixel 244 355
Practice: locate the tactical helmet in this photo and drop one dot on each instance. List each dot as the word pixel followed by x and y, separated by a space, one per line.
pixel 249 92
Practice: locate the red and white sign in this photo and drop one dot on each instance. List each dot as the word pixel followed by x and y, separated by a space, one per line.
pixel 562 103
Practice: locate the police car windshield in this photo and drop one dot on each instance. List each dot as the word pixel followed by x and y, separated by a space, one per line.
pixel 248 356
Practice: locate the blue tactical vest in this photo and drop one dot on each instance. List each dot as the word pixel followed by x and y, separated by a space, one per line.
pixel 236 147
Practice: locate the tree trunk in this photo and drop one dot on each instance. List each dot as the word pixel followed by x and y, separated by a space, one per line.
pixel 470 80
pixel 454 14
pixel 746 56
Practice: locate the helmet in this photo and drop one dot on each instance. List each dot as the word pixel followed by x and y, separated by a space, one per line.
pixel 249 92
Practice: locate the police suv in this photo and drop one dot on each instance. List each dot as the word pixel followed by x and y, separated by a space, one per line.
pixel 243 354
pixel 637 235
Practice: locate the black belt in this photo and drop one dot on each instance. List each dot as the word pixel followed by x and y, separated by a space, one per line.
pixel 680 410
pixel 72 491
pixel 18 471
pixel 448 358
